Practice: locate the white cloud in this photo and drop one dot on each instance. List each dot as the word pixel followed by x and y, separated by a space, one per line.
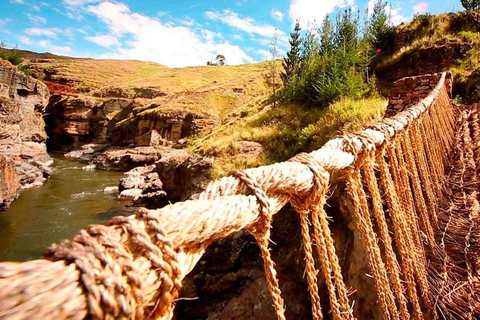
pixel 370 6
pixel 17 1
pixel 266 55
pixel 5 21
pixel 210 36
pixel 310 11
pixel 395 16
pixel 54 48
pixel 40 32
pixel 244 24
pixel 187 21
pixel 165 43
pixel 104 40
pixel 78 3
pixel 25 40
pixel 277 15
pixel 36 19
pixel 238 37
pixel 421 7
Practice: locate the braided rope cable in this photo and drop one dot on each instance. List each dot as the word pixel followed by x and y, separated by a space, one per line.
pixel 385 295
pixel 315 203
pixel 368 235
pixel 404 191
pixel 426 178
pixel 391 259
pixel 107 268
pixel 261 231
pixel 403 235
pixel 420 203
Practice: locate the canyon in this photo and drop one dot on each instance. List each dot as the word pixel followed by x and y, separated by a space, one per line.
pixel 140 129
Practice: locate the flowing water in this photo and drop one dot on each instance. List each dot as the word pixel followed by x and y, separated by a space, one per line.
pixel 70 200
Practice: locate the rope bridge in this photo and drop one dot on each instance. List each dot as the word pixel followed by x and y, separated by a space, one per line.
pixel 399 177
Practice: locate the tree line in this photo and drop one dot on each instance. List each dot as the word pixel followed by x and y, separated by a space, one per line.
pixel 336 59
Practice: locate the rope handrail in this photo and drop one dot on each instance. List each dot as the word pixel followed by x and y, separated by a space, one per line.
pixel 153 250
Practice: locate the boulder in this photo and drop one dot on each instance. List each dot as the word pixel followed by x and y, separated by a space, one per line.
pixel 126 158
pixel 141 183
pixel 87 152
pixel 130 194
pixel 183 174
pixel 110 190
pixel 249 149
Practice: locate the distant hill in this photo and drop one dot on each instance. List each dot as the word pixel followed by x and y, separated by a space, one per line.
pixel 45 55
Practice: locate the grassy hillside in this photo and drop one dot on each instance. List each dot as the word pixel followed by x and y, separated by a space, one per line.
pixel 89 75
pixel 285 131
pixel 208 90
pixel 432 43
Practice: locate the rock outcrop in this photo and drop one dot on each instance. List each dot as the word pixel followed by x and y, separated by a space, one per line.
pixel 75 120
pixel 472 88
pixel 9 182
pixel 22 129
pixel 183 174
pixel 171 126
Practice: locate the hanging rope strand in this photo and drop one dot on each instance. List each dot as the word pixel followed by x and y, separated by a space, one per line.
pixel 392 263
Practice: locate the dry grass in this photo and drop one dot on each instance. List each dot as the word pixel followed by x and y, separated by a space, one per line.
pixel 208 91
pixel 93 74
pixel 285 131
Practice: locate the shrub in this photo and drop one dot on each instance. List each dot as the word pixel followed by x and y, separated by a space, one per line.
pixel 11 55
pixel 471 4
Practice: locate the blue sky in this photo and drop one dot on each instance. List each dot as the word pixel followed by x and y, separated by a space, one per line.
pixel 175 33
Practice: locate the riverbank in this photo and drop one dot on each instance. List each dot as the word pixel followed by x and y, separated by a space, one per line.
pixel 69 200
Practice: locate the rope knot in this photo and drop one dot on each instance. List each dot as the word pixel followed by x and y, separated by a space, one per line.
pixel 108 272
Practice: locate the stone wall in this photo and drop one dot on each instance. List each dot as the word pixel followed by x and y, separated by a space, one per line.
pixel 409 91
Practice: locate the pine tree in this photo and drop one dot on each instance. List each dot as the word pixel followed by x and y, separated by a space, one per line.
pixel 292 62
pixel 326 36
pixel 272 67
pixel 379 29
pixel 471 4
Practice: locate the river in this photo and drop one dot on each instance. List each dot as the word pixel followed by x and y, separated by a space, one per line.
pixel 70 200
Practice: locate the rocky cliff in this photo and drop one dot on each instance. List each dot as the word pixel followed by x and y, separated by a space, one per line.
pixel 22 130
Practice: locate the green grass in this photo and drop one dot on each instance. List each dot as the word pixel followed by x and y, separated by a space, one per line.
pixel 285 131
